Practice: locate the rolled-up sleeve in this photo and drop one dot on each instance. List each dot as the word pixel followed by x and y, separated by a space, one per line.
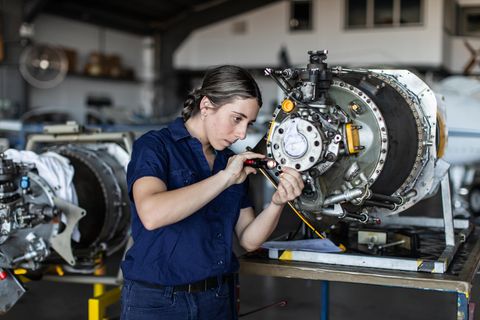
pixel 149 159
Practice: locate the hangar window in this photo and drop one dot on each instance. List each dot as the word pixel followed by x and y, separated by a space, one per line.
pixel 410 12
pixel 383 12
pixel 361 14
pixel 300 15
pixel 357 13
pixel 469 21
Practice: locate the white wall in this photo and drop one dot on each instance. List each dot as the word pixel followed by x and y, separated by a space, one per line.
pixel 71 94
pixel 267 31
pixel 468 2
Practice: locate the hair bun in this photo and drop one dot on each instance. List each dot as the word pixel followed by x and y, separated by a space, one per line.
pixel 190 104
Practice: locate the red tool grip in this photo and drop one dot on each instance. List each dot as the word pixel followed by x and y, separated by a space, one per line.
pixel 264 163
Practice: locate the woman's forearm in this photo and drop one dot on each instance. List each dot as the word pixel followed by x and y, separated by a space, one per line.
pixel 167 207
pixel 261 227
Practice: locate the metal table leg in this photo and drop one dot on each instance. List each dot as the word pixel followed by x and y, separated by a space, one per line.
pixel 325 296
pixel 462 306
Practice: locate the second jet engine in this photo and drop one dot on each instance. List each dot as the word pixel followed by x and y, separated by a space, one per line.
pixel 66 208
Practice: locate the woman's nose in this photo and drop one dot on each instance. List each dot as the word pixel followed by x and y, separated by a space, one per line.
pixel 241 132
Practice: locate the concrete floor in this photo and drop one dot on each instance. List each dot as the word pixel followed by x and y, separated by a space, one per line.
pixel 347 301
pixel 54 301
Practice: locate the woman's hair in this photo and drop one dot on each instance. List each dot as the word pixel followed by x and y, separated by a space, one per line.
pixel 222 85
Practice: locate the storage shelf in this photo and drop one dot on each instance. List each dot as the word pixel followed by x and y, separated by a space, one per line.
pixel 102 78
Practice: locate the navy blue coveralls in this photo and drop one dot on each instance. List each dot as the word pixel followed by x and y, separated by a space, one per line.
pixel 196 248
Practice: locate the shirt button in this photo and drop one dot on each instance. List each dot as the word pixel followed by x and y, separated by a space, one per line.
pixel 219 235
pixel 220 262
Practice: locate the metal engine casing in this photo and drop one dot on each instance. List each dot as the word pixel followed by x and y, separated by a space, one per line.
pixel 364 140
pixel 37 227
pixel 29 218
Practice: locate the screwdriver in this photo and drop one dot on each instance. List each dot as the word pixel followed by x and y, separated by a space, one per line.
pixel 265 163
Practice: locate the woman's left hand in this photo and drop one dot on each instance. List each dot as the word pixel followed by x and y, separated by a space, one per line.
pixel 290 186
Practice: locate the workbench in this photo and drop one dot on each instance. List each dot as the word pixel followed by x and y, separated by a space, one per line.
pixel 458 279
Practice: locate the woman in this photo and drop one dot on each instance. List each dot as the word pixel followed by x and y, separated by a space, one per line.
pixel 189 196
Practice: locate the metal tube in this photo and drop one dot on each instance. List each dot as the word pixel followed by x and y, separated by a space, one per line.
pixel 383 197
pixel 362 217
pixel 269 72
pixel 380 204
pixel 447 212
pixel 85 279
pixel 346 196
pixel 336 211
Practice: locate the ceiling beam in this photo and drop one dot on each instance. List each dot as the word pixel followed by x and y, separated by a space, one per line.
pixel 208 12
pixel 177 29
pixel 142 10
pixel 170 34
pixel 32 8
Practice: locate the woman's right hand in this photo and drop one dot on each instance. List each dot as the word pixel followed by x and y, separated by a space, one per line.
pixel 235 171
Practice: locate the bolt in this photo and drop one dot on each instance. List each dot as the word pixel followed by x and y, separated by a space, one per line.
pixel 330 157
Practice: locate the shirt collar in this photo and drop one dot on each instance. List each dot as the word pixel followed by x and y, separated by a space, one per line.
pixel 178 130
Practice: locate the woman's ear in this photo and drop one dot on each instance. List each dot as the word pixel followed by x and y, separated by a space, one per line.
pixel 205 103
pixel 204 106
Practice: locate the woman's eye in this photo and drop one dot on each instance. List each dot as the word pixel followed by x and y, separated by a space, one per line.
pixel 237 119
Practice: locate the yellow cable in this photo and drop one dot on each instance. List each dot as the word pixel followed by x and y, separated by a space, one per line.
pixel 291 206
pixel 305 221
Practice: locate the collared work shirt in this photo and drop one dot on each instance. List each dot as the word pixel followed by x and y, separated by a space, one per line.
pixel 199 246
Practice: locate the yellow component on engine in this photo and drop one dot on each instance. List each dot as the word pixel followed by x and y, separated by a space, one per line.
pixel 20 271
pixel 442 135
pixel 59 270
pixel 270 130
pixel 288 105
pixel 353 138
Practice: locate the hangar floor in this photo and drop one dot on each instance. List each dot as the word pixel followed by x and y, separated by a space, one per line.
pixel 54 301
pixel 51 301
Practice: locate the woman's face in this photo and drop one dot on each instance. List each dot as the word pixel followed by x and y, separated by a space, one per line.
pixel 226 124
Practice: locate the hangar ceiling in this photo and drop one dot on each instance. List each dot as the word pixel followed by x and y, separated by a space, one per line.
pixel 143 17
pixel 169 22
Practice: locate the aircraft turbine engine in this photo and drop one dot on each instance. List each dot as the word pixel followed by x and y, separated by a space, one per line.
pixel 366 141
